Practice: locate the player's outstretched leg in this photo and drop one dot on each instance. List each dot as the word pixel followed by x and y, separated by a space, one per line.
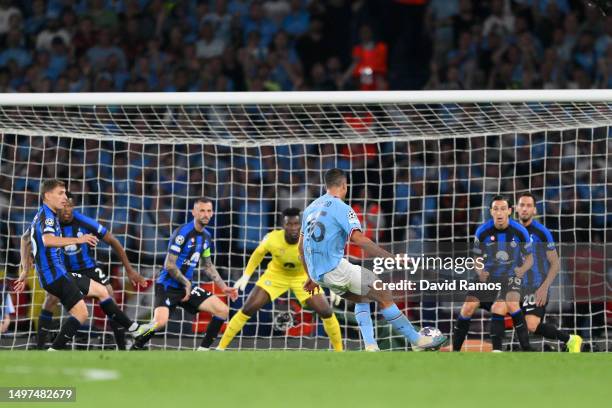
pixel 366 327
pixel 319 304
pixel 462 324
pixel 536 326
pixel 257 298
pixel 110 308
pixel 357 285
pixel 45 321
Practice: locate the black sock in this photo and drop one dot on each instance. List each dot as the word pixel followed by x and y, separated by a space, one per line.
pixel 462 326
pixel 119 332
pixel 45 324
pixel 551 332
pixel 212 331
pixel 113 312
pixel 497 331
pixel 518 319
pixel 67 332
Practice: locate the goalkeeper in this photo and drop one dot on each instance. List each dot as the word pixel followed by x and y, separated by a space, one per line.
pixel 285 272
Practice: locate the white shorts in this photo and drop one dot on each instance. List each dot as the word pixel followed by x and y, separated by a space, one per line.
pixel 348 278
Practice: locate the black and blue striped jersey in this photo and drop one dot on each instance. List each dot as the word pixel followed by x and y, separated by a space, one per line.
pixel 542 242
pixel 48 261
pixel 502 250
pixel 78 257
pixel 189 246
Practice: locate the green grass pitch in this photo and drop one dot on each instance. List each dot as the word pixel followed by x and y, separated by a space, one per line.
pixel 314 379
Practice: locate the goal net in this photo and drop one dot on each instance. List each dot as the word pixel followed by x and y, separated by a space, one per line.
pixel 423 167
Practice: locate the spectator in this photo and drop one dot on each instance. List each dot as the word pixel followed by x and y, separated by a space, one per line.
pixel 208 46
pixel 312 47
pixel 297 21
pixel 221 20
pixel 53 29
pixel 98 55
pixel 6 12
pixel 256 21
pixel 369 60
pixel 15 51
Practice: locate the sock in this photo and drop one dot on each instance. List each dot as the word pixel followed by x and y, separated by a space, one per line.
pixel 364 319
pixel 67 332
pixel 234 326
pixel 518 319
pixel 119 332
pixel 551 332
pixel 462 326
pixel 400 322
pixel 332 328
pixel 497 331
pixel 212 331
pixel 45 324
pixel 113 312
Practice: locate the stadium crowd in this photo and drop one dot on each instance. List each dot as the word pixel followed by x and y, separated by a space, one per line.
pixel 238 45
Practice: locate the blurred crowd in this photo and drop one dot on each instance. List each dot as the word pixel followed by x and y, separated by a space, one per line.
pixel 283 45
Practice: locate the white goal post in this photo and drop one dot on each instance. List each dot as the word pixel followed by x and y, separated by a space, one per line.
pixel 423 165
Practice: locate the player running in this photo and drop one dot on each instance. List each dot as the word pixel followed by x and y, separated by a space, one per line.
pixel 173 287
pixel 538 279
pixel 284 272
pixel 46 242
pixel 80 263
pixel 506 248
pixel 326 226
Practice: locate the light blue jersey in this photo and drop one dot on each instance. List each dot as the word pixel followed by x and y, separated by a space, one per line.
pixel 326 225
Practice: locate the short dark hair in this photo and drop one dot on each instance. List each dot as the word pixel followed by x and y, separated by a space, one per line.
pixel 528 194
pixel 50 185
pixel 334 177
pixel 70 196
pixel 500 197
pixel 203 200
pixel 291 212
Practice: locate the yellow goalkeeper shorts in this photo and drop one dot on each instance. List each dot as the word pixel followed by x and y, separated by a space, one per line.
pixel 275 285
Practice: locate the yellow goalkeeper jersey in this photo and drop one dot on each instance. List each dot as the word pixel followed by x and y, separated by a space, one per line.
pixel 285 257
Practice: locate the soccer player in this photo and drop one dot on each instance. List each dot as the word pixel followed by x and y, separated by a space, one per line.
pixel 79 262
pixel 46 243
pixel 506 248
pixel 284 272
pixel 326 226
pixel 173 287
pixel 538 279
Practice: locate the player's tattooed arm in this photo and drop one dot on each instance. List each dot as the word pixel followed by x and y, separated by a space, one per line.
pixel 25 250
pixel 174 271
pixel 212 273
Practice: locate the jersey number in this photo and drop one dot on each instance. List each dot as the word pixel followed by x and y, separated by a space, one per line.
pixel 529 300
pixel 315 229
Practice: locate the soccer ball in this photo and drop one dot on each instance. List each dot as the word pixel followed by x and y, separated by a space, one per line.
pixel 430 331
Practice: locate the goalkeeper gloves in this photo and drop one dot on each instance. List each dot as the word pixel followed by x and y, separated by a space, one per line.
pixel 241 283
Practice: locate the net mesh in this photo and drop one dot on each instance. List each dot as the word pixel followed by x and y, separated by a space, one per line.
pixel 418 172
